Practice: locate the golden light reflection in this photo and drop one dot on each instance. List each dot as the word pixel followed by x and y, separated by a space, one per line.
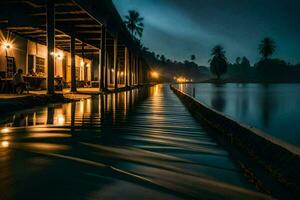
pixel 5 144
pixel 5 130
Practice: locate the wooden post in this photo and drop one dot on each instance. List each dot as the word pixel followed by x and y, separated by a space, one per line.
pixel 126 67
pixel 73 65
pixel 102 59
pixel 50 45
pixel 105 71
pixel 130 69
pixel 115 62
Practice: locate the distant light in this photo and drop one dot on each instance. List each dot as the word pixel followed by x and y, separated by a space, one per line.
pixel 154 74
pixel 88 65
pixel 5 144
pixel 112 70
pixel 122 73
pixel 5 130
pixel 182 80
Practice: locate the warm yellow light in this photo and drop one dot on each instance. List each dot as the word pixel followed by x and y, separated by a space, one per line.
pixel 6 45
pixel 112 70
pixel 122 73
pixel 154 74
pixel 5 144
pixel 59 56
pixel 182 80
pixel 81 63
pixel 88 65
pixel 5 130
pixel 60 120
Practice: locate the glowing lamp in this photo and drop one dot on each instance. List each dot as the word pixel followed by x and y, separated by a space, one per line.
pixel 7 45
pixel 154 74
pixel 60 56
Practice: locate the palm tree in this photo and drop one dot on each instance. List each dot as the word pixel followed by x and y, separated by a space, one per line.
pixel 193 58
pixel 266 48
pixel 163 59
pixel 238 60
pixel 134 23
pixel 218 62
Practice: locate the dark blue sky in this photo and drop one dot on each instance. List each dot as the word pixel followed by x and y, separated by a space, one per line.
pixel 179 28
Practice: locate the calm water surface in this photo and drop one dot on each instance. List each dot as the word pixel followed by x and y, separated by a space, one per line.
pixel 141 144
pixel 273 108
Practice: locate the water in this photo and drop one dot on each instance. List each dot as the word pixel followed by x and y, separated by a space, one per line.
pixel 273 108
pixel 141 144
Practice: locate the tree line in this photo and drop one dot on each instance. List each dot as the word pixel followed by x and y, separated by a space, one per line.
pixel 267 69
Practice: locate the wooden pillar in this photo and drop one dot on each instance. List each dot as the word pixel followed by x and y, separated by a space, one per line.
pixel 130 68
pixel 136 70
pixel 50 45
pixel 133 69
pixel 115 62
pixel 126 67
pixel 140 72
pixel 73 65
pixel 102 59
pixel 83 62
pixel 106 70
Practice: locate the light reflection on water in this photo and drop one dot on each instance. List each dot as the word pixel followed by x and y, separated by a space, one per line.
pixel 141 141
pixel 76 113
pixel 273 108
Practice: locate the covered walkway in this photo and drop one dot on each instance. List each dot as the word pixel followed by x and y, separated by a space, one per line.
pixel 85 41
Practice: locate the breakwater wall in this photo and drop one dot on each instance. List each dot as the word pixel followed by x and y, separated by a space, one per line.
pixel 281 160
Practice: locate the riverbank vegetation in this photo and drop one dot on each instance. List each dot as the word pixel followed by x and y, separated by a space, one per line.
pixel 267 69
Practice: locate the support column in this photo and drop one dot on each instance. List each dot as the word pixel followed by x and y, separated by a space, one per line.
pixel 73 65
pixel 126 67
pixel 130 69
pixel 102 59
pixel 138 70
pixel 115 62
pixel 135 70
pixel 105 71
pixel 50 45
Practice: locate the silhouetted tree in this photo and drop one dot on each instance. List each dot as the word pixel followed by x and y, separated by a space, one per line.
pixel 245 64
pixel 218 62
pixel 193 58
pixel 266 48
pixel 134 23
pixel 163 59
pixel 238 60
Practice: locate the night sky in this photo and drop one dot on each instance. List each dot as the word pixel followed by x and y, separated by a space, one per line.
pixel 179 28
